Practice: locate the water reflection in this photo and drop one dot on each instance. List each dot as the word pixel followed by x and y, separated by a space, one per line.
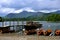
pixel 46 25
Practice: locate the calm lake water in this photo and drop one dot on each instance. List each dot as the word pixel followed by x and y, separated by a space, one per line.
pixel 46 25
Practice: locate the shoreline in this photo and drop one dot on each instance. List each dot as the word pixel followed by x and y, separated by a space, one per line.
pixel 14 36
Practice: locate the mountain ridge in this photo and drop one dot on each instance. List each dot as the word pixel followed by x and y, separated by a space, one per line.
pixel 26 14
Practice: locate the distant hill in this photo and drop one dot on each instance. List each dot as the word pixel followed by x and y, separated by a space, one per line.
pixel 23 14
pixel 58 11
pixel 26 14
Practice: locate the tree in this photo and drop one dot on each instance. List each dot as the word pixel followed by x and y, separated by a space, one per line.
pixel 53 17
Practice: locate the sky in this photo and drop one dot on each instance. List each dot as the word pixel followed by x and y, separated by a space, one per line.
pixel 16 6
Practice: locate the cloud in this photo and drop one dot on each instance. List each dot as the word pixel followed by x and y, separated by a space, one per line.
pixel 6 10
pixel 23 9
pixel 35 4
pixel 12 3
pixel 46 4
pixel 29 9
pixel 12 10
pixel 10 6
pixel 47 11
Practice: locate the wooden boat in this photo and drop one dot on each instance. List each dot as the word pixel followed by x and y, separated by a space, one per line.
pixel 44 32
pixel 40 32
pixel 57 32
pixel 31 27
pixel 48 32
pixel 6 30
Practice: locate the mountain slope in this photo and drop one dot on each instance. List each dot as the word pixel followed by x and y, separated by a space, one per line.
pixel 26 14
pixel 23 14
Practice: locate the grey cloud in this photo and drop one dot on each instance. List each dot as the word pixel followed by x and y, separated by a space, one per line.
pixel 34 4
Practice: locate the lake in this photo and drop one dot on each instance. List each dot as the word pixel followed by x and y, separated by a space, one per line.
pixel 46 25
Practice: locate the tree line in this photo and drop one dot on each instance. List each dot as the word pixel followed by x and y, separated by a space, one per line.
pixel 52 17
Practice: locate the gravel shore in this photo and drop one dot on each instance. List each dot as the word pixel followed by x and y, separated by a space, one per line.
pixel 27 37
